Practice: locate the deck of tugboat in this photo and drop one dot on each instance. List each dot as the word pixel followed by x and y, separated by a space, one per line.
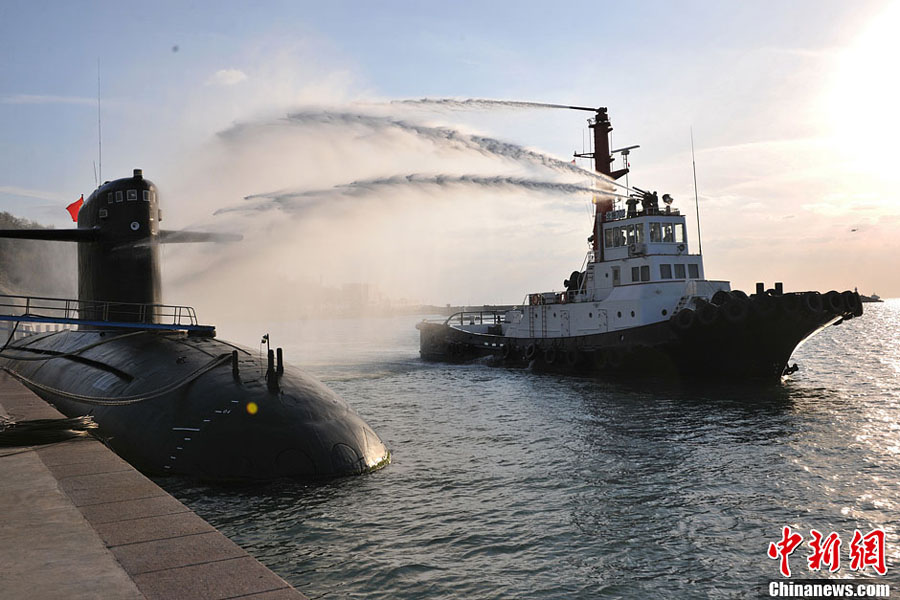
pixel 496 321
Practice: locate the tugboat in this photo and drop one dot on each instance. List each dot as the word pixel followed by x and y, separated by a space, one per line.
pixel 167 395
pixel 641 304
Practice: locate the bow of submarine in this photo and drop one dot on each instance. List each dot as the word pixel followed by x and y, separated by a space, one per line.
pixel 303 430
pixel 224 424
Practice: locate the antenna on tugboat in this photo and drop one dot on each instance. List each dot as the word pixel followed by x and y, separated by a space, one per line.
pixel 625 152
pixel 99 174
pixel 696 195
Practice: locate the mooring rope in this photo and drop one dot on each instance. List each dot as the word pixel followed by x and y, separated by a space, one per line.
pixel 37 432
pixel 12 334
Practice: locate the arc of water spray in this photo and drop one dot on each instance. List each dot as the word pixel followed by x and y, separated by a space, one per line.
pixel 304 200
pixel 479 103
pixel 439 135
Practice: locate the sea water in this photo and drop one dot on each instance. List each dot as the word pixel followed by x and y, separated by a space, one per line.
pixel 510 484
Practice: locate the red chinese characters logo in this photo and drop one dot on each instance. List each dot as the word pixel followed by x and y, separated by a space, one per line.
pixel 783 548
pixel 864 551
pixel 827 551
pixel 868 551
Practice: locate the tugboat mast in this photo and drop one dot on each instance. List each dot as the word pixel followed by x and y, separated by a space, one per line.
pixel 603 160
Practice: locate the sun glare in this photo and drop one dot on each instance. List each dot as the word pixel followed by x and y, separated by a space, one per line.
pixel 862 102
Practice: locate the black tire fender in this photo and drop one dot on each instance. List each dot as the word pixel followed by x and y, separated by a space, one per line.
pixel 764 305
pixel 735 310
pixel 614 358
pixel 812 301
pixel 792 303
pixel 851 301
pixel 707 314
pixel 720 298
pixel 550 356
pixel 834 302
pixel 684 319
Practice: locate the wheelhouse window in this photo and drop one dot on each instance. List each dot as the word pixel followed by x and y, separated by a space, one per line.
pixel 132 195
pixel 672 233
pixel 694 271
pixel 608 238
pixel 635 234
pixel 119 196
pixel 668 232
pixel 109 198
pixel 665 271
pixel 635 274
pixel 679 271
pixel 645 273
pixel 146 195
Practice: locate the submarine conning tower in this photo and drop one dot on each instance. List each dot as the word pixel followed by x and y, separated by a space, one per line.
pixel 118 239
pixel 119 264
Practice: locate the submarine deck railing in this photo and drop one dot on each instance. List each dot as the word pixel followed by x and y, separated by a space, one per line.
pixel 128 315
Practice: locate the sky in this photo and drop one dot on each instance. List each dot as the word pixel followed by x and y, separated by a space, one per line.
pixel 791 107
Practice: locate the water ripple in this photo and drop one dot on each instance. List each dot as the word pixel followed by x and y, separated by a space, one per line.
pixel 510 484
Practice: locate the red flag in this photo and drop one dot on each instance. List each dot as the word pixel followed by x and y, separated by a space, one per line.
pixel 75 207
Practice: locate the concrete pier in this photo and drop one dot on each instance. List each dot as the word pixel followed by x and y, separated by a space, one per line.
pixel 76 521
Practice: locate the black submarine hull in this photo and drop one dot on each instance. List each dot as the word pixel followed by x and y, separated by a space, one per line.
pixel 170 403
pixel 718 342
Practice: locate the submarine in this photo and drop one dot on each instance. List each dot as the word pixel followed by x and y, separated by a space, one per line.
pixel 167 395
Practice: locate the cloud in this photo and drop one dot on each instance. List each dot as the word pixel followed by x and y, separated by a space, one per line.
pixel 29 193
pixel 40 99
pixel 226 77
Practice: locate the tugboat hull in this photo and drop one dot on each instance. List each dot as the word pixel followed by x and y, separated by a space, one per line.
pixel 739 339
